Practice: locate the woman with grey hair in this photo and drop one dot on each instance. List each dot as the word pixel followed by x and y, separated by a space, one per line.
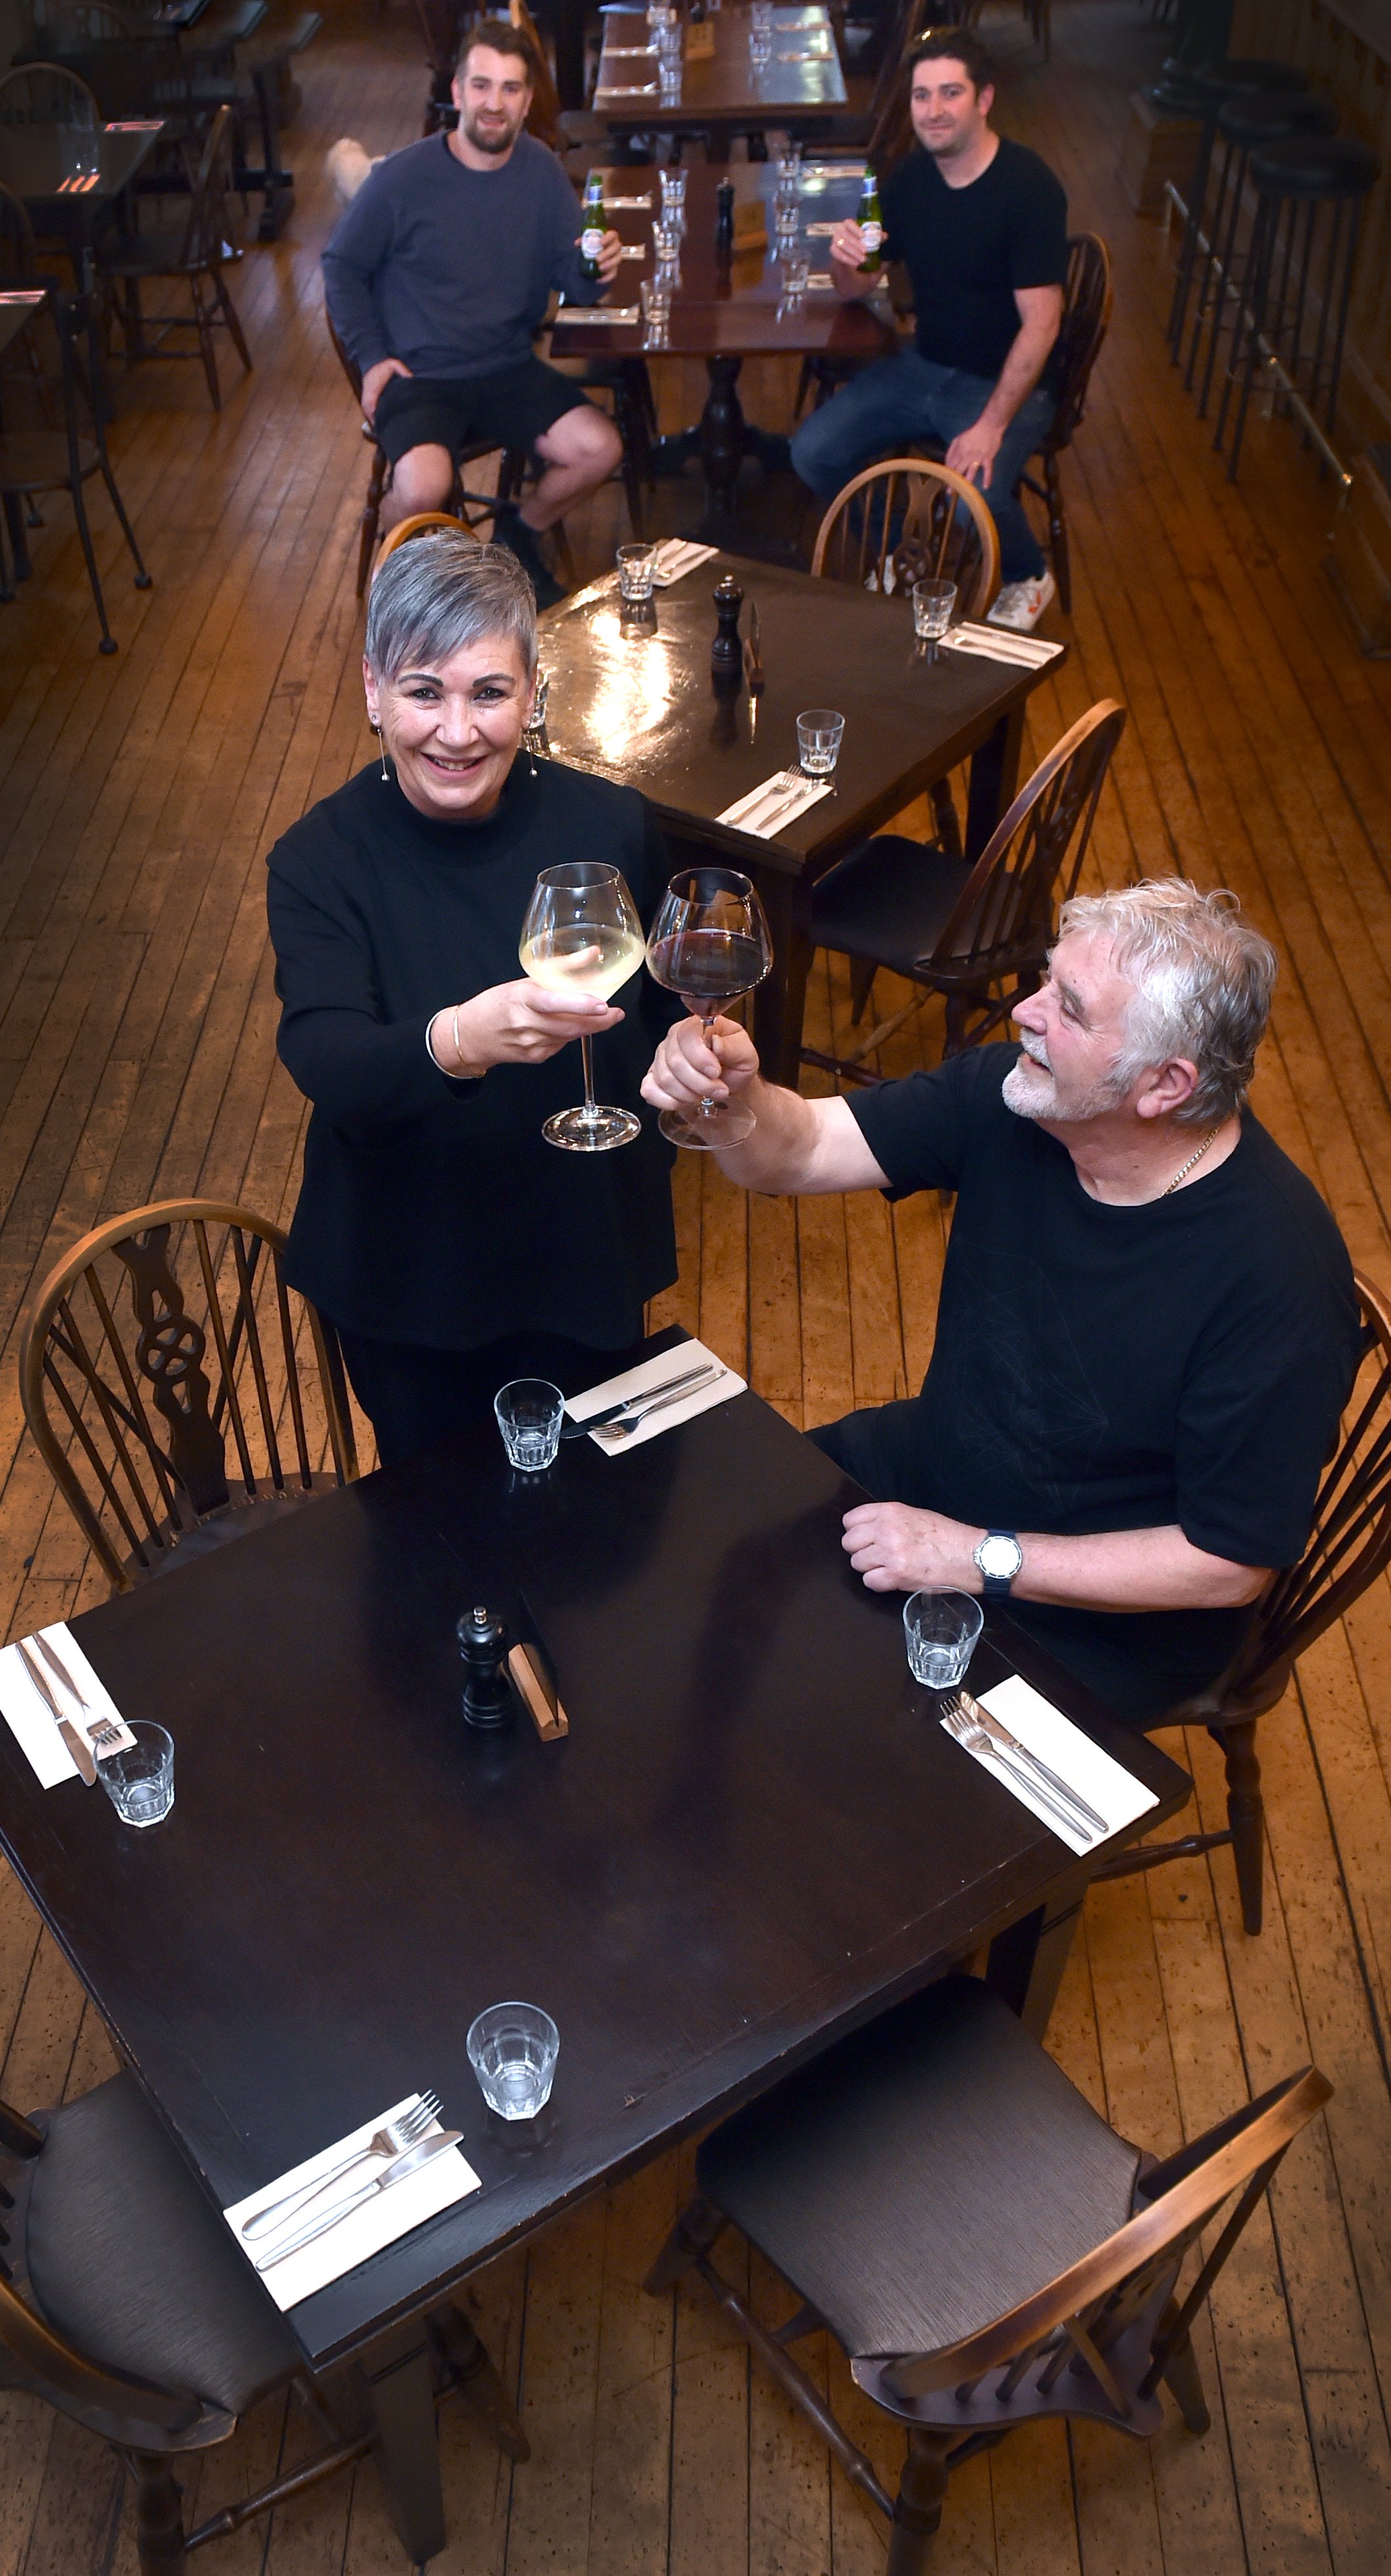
pixel 450 1245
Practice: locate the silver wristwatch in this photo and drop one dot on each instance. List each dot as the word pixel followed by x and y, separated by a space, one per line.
pixel 999 1557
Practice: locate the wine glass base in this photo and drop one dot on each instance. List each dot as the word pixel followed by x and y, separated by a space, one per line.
pixel 707 1131
pixel 592 1131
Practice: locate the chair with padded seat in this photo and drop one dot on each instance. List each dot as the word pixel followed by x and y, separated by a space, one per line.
pixel 960 930
pixel 126 2306
pixel 1349 1546
pixel 177 1388
pixel 982 2245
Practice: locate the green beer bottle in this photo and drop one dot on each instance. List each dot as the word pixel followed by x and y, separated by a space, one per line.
pixel 871 226
pixel 592 227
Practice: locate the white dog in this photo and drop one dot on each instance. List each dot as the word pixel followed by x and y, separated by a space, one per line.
pixel 348 165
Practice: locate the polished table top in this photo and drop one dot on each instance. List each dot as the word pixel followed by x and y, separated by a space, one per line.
pixel 38 163
pixel 18 305
pixel 754 1837
pixel 640 706
pixel 802 79
pixel 733 304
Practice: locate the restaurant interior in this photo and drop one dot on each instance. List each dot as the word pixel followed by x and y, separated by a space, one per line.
pixel 893 2164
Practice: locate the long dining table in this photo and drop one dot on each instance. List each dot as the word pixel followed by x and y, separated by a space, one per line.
pixel 636 702
pixel 754 1837
pixel 800 89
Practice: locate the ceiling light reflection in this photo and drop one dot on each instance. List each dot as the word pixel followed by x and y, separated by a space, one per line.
pixel 636 686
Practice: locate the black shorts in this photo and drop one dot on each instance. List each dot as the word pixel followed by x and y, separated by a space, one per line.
pixel 513 409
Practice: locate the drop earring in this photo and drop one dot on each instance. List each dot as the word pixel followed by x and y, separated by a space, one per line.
pixel 381 746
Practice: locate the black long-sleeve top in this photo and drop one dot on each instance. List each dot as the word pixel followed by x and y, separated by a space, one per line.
pixel 432 1210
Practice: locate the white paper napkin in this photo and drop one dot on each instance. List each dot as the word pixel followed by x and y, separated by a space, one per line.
pixel 29 1719
pixel 833 169
pixel 808 792
pixel 1000 644
pixel 644 89
pixel 676 556
pixel 651 1373
pixel 629 205
pixel 622 313
pixel 616 53
pixel 1105 1785
pixel 366 2229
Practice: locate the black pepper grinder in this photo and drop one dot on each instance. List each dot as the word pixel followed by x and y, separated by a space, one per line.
pixel 726 653
pixel 487 1691
pixel 724 215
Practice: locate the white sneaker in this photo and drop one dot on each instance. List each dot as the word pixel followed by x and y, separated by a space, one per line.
pixel 1022 603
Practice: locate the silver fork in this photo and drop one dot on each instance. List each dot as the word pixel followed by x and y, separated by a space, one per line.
pixel 389 2140
pixel 966 1732
pixel 773 795
pixel 618 1431
pixel 101 1734
pixel 1037 1769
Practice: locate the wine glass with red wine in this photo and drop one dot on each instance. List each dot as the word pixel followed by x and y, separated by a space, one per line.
pixel 709 942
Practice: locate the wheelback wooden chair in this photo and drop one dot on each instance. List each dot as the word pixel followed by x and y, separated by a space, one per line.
pixel 964 931
pixel 177 1388
pixel 468 508
pixel 192 253
pixel 984 2248
pixel 1349 1546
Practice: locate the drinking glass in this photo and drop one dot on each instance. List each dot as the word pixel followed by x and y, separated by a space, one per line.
pixel 674 199
pixel 81 144
pixel 760 46
pixel 656 309
pixel 790 170
pixel 709 942
pixel 635 573
pixel 666 247
pixel 941 1629
pixel 787 219
pixel 512 2050
pixel 139 1781
pixel 582 935
pixel 933 602
pixel 529 1411
pixel 819 733
pixel 796 269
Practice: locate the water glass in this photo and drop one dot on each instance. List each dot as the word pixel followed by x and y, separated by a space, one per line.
pixel 673 197
pixel 656 309
pixel 761 15
pixel 790 169
pixel 760 46
pixel 666 244
pixel 529 1412
pixel 796 269
pixel 933 602
pixel 140 1780
pixel 669 47
pixel 635 573
pixel 941 1629
pixel 787 219
pixel 512 2050
pixel 819 733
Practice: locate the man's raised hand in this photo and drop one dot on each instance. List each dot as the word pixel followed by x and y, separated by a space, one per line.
pixel 687 1067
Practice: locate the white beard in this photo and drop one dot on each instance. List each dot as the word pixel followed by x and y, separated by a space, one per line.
pixel 1030 1089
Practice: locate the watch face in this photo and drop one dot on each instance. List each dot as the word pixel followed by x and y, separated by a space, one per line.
pixel 999 1557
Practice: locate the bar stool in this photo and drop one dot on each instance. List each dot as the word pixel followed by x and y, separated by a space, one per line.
pixel 1247 75
pixel 1243 125
pixel 1310 191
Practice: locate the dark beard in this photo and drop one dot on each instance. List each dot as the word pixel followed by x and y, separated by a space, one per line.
pixel 491 143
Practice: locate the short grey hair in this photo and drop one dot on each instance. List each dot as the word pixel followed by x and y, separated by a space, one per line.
pixel 437 593
pixel 1203 978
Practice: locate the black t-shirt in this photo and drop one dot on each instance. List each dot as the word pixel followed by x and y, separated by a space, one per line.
pixel 967 249
pixel 433 1211
pixel 1103 1368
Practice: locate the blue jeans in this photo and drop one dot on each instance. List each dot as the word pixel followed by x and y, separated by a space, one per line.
pixel 912 397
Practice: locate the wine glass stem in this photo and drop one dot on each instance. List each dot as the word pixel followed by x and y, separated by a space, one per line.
pixel 709 1107
pixel 591 1106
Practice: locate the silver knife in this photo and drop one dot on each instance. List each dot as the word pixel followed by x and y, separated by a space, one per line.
pixel 399 2170
pixel 623 1428
pixel 595 1421
pixel 1003 1736
pixel 782 811
pixel 76 1743
pixel 56 1665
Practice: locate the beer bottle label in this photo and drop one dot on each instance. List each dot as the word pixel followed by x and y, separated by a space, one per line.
pixel 591 241
pixel 872 235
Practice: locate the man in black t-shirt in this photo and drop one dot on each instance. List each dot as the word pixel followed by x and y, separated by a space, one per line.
pixel 981 225
pixel 1147 1326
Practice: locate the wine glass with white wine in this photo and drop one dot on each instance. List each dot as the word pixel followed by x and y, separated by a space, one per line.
pixel 582 935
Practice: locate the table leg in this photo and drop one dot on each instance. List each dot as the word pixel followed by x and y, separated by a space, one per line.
pixel 567 28
pixel 779 1003
pixel 994 781
pixel 1027 1961
pixel 401 2395
pixel 723 431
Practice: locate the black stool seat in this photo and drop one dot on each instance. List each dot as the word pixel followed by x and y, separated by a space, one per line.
pixel 923 2177
pixel 890 900
pixel 129 2260
pixel 1245 72
pixel 1315 165
pixel 1268 115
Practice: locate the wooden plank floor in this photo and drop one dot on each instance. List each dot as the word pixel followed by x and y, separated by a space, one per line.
pixel 136 1057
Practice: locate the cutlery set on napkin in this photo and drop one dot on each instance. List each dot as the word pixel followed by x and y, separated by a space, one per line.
pixel 678 555
pixel 1001 644
pixel 768 809
pixel 338 2208
pixel 57 1708
pixel 1045 1761
pixel 608 314
pixel 651 1398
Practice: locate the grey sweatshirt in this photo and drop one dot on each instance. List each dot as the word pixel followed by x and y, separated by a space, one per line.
pixel 450 269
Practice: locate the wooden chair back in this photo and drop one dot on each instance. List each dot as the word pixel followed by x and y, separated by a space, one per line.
pixel 441 25
pixel 172 1379
pixel 46 94
pixel 210 179
pixel 420 525
pixel 1002 923
pixel 1078 2324
pixel 1086 319
pixel 70 26
pixel 543 115
pixel 1350 1543
pixel 909 519
pixel 891 124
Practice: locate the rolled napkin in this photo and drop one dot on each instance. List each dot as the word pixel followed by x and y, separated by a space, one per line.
pixel 363 2230
pixel 767 810
pixel 31 1721
pixel 1043 1730
pixel 642 1380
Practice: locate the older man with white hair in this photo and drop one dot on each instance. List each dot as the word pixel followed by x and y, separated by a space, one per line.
pixel 1147 1325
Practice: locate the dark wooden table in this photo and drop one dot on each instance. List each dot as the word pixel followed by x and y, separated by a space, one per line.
pixel 18 306
pixel 727 307
pixel 638 705
pixel 724 94
pixel 37 160
pixel 754 1838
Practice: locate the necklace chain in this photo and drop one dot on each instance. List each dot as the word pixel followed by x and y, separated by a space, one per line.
pixel 1193 1160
